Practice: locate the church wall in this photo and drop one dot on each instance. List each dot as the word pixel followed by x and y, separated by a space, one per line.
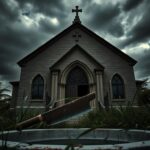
pixel 111 61
pixel 40 65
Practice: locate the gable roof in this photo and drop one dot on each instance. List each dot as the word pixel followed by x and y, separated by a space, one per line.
pixel 89 32
pixel 101 67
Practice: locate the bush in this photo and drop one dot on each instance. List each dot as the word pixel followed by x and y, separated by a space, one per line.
pixel 144 97
pixel 122 117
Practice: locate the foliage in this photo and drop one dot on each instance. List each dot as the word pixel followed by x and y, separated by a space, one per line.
pixel 122 117
pixel 144 97
pixel 118 117
pixel 4 93
pixel 8 121
pixel 143 93
pixel 5 117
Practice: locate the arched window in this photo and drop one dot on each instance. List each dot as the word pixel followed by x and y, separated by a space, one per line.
pixel 117 87
pixel 37 87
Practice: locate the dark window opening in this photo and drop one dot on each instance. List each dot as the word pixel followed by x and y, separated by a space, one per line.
pixel 118 87
pixel 37 87
pixel 83 90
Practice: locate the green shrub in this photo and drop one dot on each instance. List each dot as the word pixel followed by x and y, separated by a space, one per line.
pixel 121 117
pixel 144 97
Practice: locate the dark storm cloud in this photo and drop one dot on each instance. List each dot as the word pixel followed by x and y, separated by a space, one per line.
pixel 131 4
pixel 106 18
pixel 143 64
pixel 8 71
pixel 8 58
pixel 51 8
pixel 140 32
pixel 8 15
pixel 15 46
pixel 46 7
pixel 7 12
pixel 17 39
pixel 46 26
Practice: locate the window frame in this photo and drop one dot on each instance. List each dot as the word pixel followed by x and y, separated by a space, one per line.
pixel 37 98
pixel 123 86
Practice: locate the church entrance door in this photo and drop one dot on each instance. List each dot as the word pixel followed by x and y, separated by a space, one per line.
pixel 76 84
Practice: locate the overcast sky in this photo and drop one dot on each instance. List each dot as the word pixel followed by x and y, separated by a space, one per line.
pixel 26 24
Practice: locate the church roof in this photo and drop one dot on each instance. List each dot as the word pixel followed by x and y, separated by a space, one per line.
pixel 85 29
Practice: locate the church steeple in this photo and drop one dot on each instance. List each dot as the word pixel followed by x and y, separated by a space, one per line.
pixel 77 10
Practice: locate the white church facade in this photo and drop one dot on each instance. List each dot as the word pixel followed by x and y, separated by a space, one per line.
pixel 72 64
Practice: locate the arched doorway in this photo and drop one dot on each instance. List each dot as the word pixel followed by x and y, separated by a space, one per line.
pixel 76 83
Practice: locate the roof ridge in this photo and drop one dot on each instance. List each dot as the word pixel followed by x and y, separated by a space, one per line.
pixel 61 34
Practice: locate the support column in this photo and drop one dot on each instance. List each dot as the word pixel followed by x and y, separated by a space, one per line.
pixel 54 87
pixel 99 87
pixel 93 102
pixel 62 94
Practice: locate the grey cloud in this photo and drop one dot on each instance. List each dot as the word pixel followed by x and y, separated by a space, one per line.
pixel 8 12
pixel 100 17
pixel 140 32
pixel 18 40
pixel 106 18
pixel 131 4
pixel 48 27
pixel 7 71
pixel 143 64
pixel 48 7
pixel 115 28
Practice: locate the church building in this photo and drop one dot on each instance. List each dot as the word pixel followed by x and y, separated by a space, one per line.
pixel 72 64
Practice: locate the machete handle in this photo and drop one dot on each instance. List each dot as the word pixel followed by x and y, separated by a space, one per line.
pixel 29 122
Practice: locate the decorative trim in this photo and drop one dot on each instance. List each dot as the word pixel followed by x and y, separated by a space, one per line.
pixel 55 70
pixel 31 107
pixel 119 100
pixel 71 66
pixel 36 101
pixel 98 70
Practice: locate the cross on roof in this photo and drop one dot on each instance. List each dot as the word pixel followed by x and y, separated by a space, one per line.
pixel 77 10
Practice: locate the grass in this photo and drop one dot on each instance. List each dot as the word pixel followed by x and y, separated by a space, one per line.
pixel 121 117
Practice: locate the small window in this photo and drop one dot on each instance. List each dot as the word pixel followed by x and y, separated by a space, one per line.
pixel 37 87
pixel 117 87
